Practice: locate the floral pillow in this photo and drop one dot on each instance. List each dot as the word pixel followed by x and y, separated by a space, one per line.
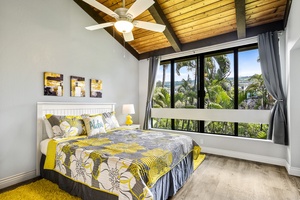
pixel 94 125
pixel 110 120
pixel 48 128
pixel 66 126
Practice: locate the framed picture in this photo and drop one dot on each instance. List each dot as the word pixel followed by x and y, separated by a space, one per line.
pixel 77 86
pixel 53 84
pixel 96 87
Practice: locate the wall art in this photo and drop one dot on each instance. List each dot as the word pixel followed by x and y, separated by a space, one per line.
pixel 77 86
pixel 53 84
pixel 96 88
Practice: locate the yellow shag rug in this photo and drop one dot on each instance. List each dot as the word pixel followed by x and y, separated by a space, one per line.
pixel 39 190
pixel 198 161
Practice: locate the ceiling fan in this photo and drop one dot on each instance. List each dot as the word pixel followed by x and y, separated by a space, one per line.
pixel 124 18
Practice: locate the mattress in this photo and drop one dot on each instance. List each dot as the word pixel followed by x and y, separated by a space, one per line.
pixel 44 145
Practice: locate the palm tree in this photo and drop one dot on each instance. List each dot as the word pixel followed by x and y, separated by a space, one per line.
pixel 161 99
pixel 218 95
pixel 188 90
pixel 165 66
pixel 257 88
pixel 191 66
pixel 218 89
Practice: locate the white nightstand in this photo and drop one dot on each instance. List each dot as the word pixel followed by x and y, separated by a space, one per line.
pixel 131 127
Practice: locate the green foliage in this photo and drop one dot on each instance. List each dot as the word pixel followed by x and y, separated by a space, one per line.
pixel 258 93
pixel 219 127
pixel 253 130
pixel 262 135
pixel 161 98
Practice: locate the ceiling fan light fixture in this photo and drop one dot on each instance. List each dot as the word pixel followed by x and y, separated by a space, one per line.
pixel 123 26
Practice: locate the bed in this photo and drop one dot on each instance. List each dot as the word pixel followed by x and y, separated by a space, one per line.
pixel 116 164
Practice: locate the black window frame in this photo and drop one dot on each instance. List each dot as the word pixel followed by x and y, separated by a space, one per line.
pixel 200 82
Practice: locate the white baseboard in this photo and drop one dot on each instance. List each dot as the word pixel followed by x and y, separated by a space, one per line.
pixel 245 156
pixel 295 171
pixel 18 178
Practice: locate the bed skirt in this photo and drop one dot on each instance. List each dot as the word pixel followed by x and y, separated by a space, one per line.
pixel 164 188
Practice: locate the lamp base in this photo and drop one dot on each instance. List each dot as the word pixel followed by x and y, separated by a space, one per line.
pixel 128 120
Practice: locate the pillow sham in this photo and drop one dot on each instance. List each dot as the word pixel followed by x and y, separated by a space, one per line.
pixel 66 126
pixel 110 120
pixel 48 128
pixel 94 125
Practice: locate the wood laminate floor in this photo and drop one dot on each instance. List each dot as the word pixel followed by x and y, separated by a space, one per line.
pixel 223 178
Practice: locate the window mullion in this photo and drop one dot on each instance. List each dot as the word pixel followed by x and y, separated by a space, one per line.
pixel 172 91
pixel 236 86
pixel 201 91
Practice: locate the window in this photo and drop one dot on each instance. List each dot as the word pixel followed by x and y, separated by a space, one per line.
pixel 225 79
pixel 161 96
pixel 185 90
pixel 253 94
pixel 219 89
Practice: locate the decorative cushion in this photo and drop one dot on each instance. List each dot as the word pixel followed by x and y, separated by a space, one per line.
pixel 66 126
pixel 94 125
pixel 110 120
pixel 48 128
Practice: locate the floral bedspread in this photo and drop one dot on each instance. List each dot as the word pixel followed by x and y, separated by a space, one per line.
pixel 125 163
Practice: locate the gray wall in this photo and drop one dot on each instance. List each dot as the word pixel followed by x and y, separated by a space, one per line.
pixel 38 36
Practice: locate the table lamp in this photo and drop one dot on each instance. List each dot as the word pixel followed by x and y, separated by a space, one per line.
pixel 128 109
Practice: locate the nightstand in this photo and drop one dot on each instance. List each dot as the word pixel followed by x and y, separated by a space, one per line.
pixel 131 127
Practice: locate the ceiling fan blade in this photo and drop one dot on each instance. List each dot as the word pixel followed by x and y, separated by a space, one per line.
pixel 99 26
pixel 128 36
pixel 149 26
pixel 138 7
pixel 101 7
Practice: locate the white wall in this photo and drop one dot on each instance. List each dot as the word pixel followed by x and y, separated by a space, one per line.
pixel 143 85
pixel 293 82
pixel 38 36
pixel 294 99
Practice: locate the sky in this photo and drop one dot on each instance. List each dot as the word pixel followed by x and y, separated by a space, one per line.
pixel 248 66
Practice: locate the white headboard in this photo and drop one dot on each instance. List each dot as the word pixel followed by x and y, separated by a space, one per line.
pixel 63 108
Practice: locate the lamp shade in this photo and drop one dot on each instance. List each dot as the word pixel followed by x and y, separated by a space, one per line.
pixel 124 26
pixel 128 109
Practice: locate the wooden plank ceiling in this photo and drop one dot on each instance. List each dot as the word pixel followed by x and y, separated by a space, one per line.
pixel 189 22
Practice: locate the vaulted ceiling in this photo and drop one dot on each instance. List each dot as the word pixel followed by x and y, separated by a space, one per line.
pixel 195 23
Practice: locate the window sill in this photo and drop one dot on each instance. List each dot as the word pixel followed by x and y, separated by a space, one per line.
pixel 213 135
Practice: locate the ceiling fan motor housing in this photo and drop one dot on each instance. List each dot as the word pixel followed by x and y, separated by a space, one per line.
pixel 122 14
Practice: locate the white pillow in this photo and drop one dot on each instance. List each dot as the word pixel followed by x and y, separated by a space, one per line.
pixel 110 120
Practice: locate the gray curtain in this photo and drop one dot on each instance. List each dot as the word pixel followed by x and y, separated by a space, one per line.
pixel 270 64
pixel 153 66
